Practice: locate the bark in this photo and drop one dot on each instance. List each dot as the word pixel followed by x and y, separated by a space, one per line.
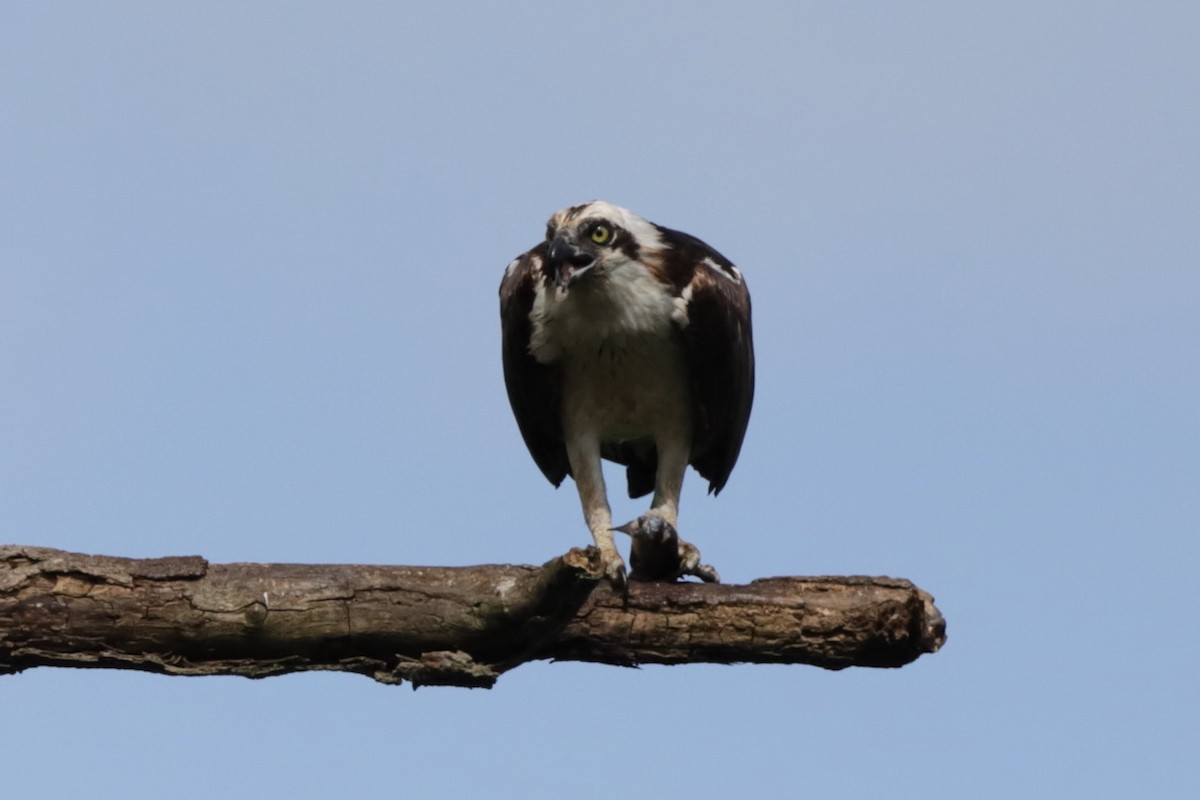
pixel 459 626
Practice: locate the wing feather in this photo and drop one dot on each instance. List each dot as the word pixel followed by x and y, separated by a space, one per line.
pixel 719 348
pixel 533 388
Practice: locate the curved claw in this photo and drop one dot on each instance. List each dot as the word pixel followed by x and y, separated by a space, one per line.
pixel 614 573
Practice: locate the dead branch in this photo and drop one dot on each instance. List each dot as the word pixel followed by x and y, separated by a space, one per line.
pixel 458 626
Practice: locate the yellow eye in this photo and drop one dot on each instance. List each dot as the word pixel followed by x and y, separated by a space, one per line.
pixel 601 234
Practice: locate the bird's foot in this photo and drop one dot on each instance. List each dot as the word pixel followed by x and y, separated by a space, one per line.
pixel 614 571
pixel 658 554
pixel 689 564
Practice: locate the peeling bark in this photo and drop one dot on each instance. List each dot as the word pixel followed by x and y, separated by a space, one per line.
pixel 456 626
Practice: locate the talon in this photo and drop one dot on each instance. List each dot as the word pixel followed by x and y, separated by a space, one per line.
pixel 689 564
pixel 614 573
pixel 689 558
pixel 618 579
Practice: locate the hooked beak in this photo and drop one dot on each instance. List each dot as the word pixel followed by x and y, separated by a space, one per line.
pixel 567 262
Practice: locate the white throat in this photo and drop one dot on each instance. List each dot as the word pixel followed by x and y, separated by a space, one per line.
pixel 629 306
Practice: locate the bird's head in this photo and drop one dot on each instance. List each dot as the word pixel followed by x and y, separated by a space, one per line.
pixel 585 243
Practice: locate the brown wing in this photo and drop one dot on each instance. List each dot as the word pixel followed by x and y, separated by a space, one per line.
pixel 533 388
pixel 719 348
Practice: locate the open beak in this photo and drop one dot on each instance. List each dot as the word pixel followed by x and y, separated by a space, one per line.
pixel 567 262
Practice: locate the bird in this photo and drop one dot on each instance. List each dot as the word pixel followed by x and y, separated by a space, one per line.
pixel 627 341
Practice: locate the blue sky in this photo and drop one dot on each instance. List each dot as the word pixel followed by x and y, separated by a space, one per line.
pixel 249 255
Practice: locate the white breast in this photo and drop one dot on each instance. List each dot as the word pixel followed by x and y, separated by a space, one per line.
pixel 631 305
pixel 622 366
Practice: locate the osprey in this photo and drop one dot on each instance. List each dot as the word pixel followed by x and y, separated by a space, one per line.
pixel 627 341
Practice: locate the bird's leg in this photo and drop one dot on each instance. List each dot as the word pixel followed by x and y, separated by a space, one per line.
pixel 668 485
pixel 668 480
pixel 589 480
pixel 658 553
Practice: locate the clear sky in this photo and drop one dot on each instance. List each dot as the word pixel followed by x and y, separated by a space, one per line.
pixel 249 256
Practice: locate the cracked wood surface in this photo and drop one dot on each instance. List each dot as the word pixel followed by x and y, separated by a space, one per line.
pixel 460 626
